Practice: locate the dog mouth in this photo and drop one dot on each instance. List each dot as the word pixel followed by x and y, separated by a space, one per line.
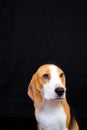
pixel 57 99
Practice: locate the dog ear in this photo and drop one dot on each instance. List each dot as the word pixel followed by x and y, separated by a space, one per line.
pixel 31 87
pixel 34 91
pixel 64 80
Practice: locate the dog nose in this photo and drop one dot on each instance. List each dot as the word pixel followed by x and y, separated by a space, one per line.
pixel 59 91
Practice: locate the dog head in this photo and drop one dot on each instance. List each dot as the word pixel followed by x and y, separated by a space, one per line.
pixel 48 83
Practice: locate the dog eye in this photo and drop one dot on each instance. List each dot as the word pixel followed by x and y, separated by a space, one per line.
pixel 45 76
pixel 61 75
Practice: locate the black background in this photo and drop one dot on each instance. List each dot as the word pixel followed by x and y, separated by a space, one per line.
pixel 35 33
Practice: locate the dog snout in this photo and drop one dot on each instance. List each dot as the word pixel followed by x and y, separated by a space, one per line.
pixel 59 91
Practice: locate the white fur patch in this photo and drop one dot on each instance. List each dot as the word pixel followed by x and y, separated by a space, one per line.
pixel 51 117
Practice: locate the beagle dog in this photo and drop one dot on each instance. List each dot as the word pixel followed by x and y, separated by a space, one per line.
pixel 47 89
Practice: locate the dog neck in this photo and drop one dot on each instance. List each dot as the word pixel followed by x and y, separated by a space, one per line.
pixel 51 115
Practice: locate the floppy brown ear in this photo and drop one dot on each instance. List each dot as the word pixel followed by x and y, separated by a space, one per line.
pixel 64 80
pixel 31 87
pixel 34 92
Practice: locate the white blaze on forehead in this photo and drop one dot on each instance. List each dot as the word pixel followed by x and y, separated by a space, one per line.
pixel 55 79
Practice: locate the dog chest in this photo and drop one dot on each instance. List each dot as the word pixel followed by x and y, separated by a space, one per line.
pixel 51 119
